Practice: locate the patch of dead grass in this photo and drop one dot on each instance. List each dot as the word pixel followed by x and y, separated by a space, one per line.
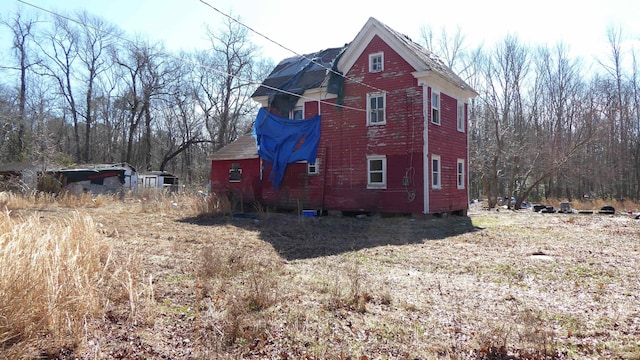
pixel 49 283
pixel 496 285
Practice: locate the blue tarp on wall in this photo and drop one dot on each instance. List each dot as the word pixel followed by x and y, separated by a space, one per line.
pixel 282 141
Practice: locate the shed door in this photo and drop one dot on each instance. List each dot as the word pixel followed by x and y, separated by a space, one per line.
pixel 151 182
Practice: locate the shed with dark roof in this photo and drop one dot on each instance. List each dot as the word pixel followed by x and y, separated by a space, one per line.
pixel 236 170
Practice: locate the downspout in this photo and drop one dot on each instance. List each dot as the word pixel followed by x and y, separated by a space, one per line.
pixel 425 151
pixel 466 124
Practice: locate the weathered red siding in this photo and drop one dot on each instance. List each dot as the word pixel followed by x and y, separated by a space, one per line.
pixel 347 140
pixel 445 140
pixel 297 190
pixel 247 190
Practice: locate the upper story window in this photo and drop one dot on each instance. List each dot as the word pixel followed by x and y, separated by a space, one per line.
pixel 376 172
pixel 435 107
pixel 297 113
pixel 376 62
pixel 376 109
pixel 461 117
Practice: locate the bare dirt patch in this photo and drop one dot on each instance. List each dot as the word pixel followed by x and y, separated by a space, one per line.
pixel 488 286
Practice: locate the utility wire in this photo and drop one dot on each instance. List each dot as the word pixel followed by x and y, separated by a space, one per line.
pixel 190 61
pixel 354 80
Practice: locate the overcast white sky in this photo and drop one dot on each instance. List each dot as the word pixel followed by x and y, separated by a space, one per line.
pixel 306 26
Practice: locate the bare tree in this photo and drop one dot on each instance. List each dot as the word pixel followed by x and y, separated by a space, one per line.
pixel 449 46
pixel 635 113
pixel 227 78
pixel 93 50
pixel 22 31
pixel 149 75
pixel 504 74
pixel 60 48
pixel 181 126
pixel 618 118
pixel 134 58
pixel 110 117
pixel 7 116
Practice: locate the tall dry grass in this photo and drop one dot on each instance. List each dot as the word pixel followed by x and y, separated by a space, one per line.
pixel 186 203
pixel 40 200
pixel 50 274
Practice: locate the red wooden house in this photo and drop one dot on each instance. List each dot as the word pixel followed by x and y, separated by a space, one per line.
pixel 393 131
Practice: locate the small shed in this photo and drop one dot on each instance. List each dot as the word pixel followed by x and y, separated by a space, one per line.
pixel 236 170
pixel 158 180
pixel 95 178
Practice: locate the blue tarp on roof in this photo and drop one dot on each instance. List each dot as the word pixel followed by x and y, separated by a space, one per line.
pixel 283 141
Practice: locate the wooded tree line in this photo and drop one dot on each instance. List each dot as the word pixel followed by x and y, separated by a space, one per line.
pixel 78 90
pixel 545 124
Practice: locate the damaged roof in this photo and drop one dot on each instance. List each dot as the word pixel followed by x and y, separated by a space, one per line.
pixel 89 174
pixel 243 148
pixel 299 73
pixel 294 75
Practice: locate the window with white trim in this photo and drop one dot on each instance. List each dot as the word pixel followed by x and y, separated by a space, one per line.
pixel 376 62
pixel 297 113
pixel 376 172
pixel 460 175
pixel 376 109
pixel 313 169
pixel 461 117
pixel 235 173
pixel 436 178
pixel 435 107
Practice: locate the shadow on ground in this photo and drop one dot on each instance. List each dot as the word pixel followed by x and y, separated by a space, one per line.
pixel 295 237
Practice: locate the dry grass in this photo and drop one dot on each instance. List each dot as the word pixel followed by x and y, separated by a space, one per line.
pixel 39 200
pixel 50 274
pixel 181 278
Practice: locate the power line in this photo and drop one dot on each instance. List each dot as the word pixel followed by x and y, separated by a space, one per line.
pixel 292 51
pixel 190 61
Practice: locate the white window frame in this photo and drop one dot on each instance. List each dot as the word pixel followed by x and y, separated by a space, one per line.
pixel 377 95
pixel 461 116
pixel 377 185
pixel 292 113
pixel 375 66
pixel 235 167
pixel 436 172
pixel 313 169
pixel 435 107
pixel 460 174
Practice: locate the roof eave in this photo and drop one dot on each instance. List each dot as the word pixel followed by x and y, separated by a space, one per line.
pixel 433 78
pixel 262 100
pixel 314 94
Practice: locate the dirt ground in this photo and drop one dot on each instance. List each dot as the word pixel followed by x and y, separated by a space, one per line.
pixel 494 285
